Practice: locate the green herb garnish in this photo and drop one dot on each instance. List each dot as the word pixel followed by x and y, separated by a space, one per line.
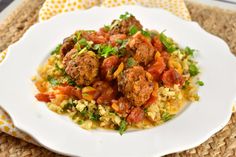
pixel 193 70
pixel 85 43
pixel 70 81
pixel 125 16
pixel 165 116
pixel 200 83
pixel 68 105
pixel 56 50
pixel 186 84
pixel 84 112
pixel 94 117
pixel 145 110
pixel 114 24
pixel 80 122
pixel 123 127
pixel 189 51
pixel 123 44
pixel 119 41
pixel 107 27
pixel 168 42
pixel 131 62
pixel 145 33
pixel 132 30
pixel 107 50
pixel 96 47
pixel 53 81
pixel 62 70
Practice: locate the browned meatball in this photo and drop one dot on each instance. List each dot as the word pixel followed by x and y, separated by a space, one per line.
pixel 142 49
pixel 136 85
pixel 83 68
pixel 123 27
pixel 68 44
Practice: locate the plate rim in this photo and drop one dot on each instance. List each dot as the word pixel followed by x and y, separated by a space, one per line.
pixel 21 127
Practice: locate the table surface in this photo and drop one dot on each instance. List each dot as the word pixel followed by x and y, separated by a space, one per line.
pixel 4 4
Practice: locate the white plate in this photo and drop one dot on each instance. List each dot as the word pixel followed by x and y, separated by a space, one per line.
pixel 193 126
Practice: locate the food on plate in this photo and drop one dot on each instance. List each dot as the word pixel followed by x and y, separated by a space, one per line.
pixel 121 76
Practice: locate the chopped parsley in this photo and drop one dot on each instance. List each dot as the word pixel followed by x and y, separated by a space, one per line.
pixel 53 81
pixel 169 44
pixel 70 81
pixel 193 70
pixel 85 43
pixel 107 50
pixel 107 27
pixel 189 51
pixel 122 48
pixel 200 83
pixel 186 84
pixel 96 47
pixel 145 33
pixel 132 30
pixel 56 50
pixel 145 110
pixel 84 112
pixel 125 16
pixel 123 127
pixel 58 68
pixel 165 116
pixel 80 122
pixel 94 116
pixel 119 41
pixel 114 24
pixel 68 105
pixel 131 62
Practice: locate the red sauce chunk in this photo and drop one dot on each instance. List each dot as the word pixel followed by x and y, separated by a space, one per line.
pixel 157 68
pixel 136 115
pixel 172 77
pixel 44 97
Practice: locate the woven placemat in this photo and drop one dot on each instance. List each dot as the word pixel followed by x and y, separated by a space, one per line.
pixel 217 21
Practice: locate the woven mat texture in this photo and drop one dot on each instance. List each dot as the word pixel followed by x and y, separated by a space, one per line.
pixel 217 21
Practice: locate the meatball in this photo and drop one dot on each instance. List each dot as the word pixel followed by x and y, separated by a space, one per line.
pixel 67 45
pixel 123 27
pixel 83 68
pixel 136 85
pixel 142 49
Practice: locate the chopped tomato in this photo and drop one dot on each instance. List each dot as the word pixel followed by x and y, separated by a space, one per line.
pixel 157 44
pixel 108 66
pixel 88 93
pixel 166 56
pixel 106 96
pixel 136 115
pixel 104 92
pixel 150 101
pixel 157 68
pixel 113 38
pixel 103 32
pixel 95 37
pixel 171 77
pixel 124 106
pixel 70 91
pixel 41 86
pixel 44 97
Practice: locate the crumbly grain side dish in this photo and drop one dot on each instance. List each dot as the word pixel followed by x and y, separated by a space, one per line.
pixel 119 77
